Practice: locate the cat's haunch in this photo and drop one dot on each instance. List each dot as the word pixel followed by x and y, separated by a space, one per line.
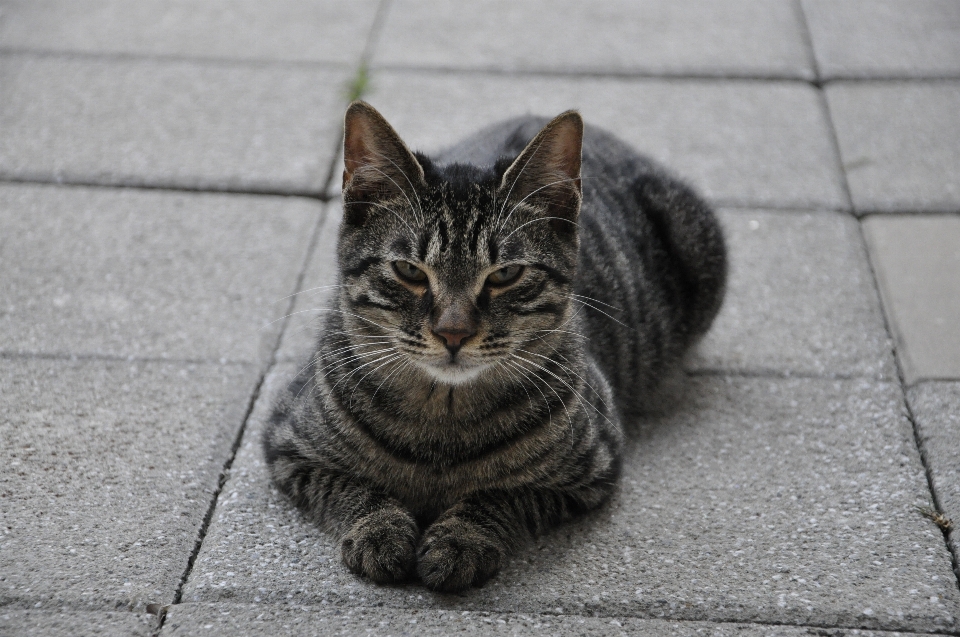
pixel 500 306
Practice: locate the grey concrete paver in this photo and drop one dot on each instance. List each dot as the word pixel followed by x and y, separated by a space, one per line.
pixel 898 142
pixel 740 142
pixel 41 623
pixel 777 501
pixel 96 271
pixel 692 37
pixel 285 30
pixel 255 620
pixel 800 299
pixel 917 261
pixel 168 123
pixel 885 38
pixel 109 469
pixel 319 284
pixel 936 408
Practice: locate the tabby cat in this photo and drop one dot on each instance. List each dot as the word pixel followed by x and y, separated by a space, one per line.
pixel 496 316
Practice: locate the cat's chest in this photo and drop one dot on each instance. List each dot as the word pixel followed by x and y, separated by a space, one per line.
pixel 425 486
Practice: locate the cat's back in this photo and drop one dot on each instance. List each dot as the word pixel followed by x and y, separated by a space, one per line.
pixel 509 137
pixel 653 261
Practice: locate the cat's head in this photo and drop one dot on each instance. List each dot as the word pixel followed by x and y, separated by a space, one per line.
pixel 458 269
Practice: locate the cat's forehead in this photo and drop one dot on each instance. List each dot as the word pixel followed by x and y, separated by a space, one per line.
pixel 458 227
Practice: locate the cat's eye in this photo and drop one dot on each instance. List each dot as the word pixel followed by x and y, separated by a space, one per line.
pixel 409 272
pixel 505 276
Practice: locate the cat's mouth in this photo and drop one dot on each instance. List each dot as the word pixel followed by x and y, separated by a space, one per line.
pixel 453 371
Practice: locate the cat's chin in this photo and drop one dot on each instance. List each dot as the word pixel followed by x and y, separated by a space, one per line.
pixel 454 373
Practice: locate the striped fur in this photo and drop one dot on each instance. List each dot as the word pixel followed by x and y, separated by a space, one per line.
pixel 438 464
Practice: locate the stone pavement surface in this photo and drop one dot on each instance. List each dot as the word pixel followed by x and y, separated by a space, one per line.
pixel 168 184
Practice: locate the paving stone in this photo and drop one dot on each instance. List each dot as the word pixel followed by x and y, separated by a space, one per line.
pixel 917 261
pixel 800 299
pixel 179 124
pixel 117 272
pixel 885 38
pixel 702 37
pixel 34 623
pixel 898 142
pixel 787 501
pixel 319 284
pixel 287 30
pixel 740 142
pixel 255 620
pixel 109 469
pixel 936 408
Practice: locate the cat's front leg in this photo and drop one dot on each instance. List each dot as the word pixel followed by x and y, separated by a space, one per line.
pixel 468 543
pixel 381 543
pixel 378 536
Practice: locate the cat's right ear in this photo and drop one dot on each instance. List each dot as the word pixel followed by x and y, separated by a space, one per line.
pixel 548 171
pixel 377 164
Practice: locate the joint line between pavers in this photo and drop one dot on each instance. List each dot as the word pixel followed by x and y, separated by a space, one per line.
pixel 358 86
pixel 807 36
pixel 225 471
pixel 773 373
pixel 635 74
pixel 648 74
pixel 928 471
pixel 832 129
pixel 373 37
pixel 171 58
pixel 835 142
pixel 946 212
pixel 68 182
pixel 945 78
pixel 66 356
pixel 914 423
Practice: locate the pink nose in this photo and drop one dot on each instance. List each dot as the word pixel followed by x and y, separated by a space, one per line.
pixel 455 339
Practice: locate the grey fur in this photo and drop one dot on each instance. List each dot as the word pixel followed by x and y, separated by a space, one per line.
pixel 419 462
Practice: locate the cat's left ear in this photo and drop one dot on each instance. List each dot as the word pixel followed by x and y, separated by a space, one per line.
pixel 376 162
pixel 547 172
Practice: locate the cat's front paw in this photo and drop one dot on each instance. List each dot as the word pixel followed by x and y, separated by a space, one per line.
pixel 382 545
pixel 455 554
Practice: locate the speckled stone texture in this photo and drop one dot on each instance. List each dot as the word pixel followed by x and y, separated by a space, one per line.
pixel 917 262
pixel 169 123
pixel 319 284
pixel 280 30
pixel 936 408
pixel 108 471
pixel 800 299
pixel 693 37
pixel 898 141
pixel 145 273
pixel 777 490
pixel 256 620
pixel 42 623
pixel 741 143
pixel 757 500
pixel 885 38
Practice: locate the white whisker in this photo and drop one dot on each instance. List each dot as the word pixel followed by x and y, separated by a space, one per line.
pixel 530 194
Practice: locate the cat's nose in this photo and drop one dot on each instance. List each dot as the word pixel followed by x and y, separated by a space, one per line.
pixel 454 340
pixel 455 325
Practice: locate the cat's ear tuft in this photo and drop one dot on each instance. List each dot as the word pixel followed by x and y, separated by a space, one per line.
pixel 547 172
pixel 376 162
